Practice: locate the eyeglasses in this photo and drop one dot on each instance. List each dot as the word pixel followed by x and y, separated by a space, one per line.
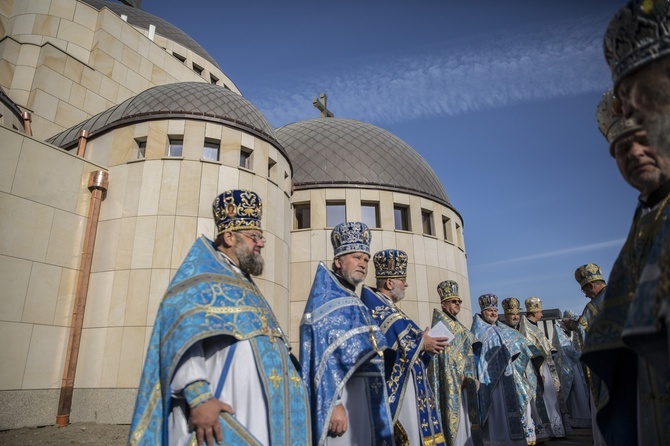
pixel 456 301
pixel 255 237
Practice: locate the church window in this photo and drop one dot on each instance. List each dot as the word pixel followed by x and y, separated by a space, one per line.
pixel 335 213
pixel 302 216
pixel 401 217
pixel 213 79
pixel 427 222
pixel 272 169
pixel 198 69
pixel 370 214
pixel 211 150
pixel 141 148
pixel 245 157
pixel 176 146
pixel 448 231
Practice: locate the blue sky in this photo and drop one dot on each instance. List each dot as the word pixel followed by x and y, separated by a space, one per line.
pixel 499 97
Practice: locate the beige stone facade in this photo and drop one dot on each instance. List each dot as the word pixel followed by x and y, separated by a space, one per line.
pixel 68 61
pixel 64 62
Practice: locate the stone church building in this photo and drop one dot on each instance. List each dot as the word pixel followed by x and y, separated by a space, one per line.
pixel 117 130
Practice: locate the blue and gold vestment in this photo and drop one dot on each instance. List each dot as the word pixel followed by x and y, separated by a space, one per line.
pixel 567 367
pixel 495 367
pixel 451 371
pixel 337 339
pixel 208 298
pixel 627 343
pixel 405 339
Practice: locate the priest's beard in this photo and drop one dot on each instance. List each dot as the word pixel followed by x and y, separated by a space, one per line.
pixel 658 130
pixel 397 294
pixel 249 261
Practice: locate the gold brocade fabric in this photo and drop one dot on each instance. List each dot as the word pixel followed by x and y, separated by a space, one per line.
pixel 447 372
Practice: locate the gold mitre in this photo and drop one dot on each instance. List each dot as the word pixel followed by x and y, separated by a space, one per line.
pixel 533 304
pixel 511 305
pixel 588 273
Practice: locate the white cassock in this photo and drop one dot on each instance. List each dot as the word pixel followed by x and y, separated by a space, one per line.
pixel 464 434
pixel 578 400
pixel 409 413
pixel 359 424
pixel 242 388
pixel 552 404
pixel 495 431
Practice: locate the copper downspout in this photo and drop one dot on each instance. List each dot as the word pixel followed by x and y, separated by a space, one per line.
pixel 27 119
pixel 83 139
pixel 97 184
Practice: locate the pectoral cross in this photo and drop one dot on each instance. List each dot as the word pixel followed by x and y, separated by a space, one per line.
pixel 320 103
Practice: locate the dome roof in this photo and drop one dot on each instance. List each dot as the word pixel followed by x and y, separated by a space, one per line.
pixel 184 100
pixel 336 152
pixel 143 19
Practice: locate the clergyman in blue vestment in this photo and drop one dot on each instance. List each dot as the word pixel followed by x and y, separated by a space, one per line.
pixel 412 402
pixel 218 366
pixel 341 350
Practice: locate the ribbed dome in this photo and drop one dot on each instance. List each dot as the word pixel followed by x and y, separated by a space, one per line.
pixel 190 100
pixel 143 19
pixel 332 152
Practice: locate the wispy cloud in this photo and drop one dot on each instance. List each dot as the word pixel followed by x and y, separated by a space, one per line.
pixel 496 71
pixel 560 252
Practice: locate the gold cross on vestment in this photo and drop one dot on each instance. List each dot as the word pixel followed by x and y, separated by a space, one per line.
pixel 275 378
pixel 296 380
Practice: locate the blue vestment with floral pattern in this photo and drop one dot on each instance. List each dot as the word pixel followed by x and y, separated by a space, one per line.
pixel 337 339
pixel 405 339
pixel 495 367
pixel 207 298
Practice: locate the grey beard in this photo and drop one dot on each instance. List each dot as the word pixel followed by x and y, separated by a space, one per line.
pixel 250 262
pixel 349 278
pixel 397 294
pixel 658 130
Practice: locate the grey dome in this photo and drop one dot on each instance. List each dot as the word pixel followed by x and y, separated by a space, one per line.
pixel 336 152
pixel 184 100
pixel 143 19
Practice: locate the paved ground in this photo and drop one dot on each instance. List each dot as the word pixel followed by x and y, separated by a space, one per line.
pixel 581 437
pixel 117 435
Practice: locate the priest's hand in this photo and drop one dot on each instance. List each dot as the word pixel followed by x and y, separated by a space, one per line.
pixel 338 422
pixel 204 421
pixel 433 345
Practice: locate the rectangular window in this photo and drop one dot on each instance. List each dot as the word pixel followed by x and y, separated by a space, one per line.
pixel 446 226
pixel 427 222
pixel 245 157
pixel 370 214
pixel 336 213
pixel 401 217
pixel 211 150
pixel 141 147
pixel 303 217
pixel 272 168
pixel 176 146
pixel 179 57
pixel 198 69
pixel 213 79
pixel 459 235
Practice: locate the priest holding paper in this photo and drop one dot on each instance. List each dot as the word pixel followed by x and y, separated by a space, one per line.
pixel 452 373
pixel 413 406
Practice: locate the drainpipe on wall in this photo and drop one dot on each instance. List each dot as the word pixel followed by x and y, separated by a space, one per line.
pixel 83 139
pixel 27 119
pixel 97 184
